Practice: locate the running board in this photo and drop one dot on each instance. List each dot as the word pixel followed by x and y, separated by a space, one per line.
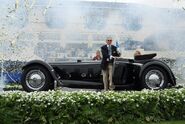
pixel 92 85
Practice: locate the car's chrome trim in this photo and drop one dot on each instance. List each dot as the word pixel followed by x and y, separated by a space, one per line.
pixel 74 82
pixel 138 64
pixel 154 79
pixel 35 79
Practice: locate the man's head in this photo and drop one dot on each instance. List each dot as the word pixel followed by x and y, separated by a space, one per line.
pixel 109 40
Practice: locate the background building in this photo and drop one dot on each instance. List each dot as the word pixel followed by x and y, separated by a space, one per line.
pixel 61 29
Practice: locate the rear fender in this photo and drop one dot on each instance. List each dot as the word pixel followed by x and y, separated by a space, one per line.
pixel 162 65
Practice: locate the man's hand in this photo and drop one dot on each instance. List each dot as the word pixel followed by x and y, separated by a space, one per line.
pixel 110 58
pixel 115 57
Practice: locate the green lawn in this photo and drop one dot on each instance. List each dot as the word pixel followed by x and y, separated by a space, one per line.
pixel 171 122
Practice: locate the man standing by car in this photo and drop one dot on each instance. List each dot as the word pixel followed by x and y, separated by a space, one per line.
pixel 109 51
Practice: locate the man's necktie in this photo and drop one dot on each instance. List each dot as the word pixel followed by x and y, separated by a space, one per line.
pixel 110 52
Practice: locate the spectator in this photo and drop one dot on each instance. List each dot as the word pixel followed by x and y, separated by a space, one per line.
pixel 98 55
pixel 137 53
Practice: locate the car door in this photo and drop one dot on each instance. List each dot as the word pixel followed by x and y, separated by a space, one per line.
pixel 122 72
pixel 86 73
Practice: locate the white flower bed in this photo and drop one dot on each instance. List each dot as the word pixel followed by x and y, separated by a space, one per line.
pixel 96 107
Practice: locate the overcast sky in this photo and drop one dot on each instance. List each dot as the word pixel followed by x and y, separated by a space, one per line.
pixel 157 3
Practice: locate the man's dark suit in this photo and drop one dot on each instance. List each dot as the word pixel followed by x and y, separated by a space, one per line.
pixel 106 57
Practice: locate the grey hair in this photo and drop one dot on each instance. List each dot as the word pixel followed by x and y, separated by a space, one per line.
pixel 109 37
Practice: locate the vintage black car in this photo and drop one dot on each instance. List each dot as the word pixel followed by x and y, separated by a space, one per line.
pixel 141 72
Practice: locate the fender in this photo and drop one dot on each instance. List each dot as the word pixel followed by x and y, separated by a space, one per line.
pixel 161 64
pixel 46 65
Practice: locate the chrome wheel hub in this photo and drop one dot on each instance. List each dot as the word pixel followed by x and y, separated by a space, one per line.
pixel 154 79
pixel 35 79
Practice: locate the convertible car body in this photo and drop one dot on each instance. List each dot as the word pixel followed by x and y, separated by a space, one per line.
pixel 141 72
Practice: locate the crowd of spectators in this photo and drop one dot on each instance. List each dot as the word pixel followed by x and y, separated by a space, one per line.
pixel 11 70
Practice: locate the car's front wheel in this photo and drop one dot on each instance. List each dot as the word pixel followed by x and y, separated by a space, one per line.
pixel 36 78
pixel 154 78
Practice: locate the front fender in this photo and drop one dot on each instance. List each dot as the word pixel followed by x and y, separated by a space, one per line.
pixel 162 65
pixel 44 64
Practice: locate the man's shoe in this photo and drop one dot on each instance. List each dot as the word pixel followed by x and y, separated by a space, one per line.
pixel 111 87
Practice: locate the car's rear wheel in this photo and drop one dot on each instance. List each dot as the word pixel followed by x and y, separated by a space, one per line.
pixel 154 78
pixel 36 78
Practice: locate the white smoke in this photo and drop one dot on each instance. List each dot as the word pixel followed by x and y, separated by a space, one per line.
pixel 26 23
